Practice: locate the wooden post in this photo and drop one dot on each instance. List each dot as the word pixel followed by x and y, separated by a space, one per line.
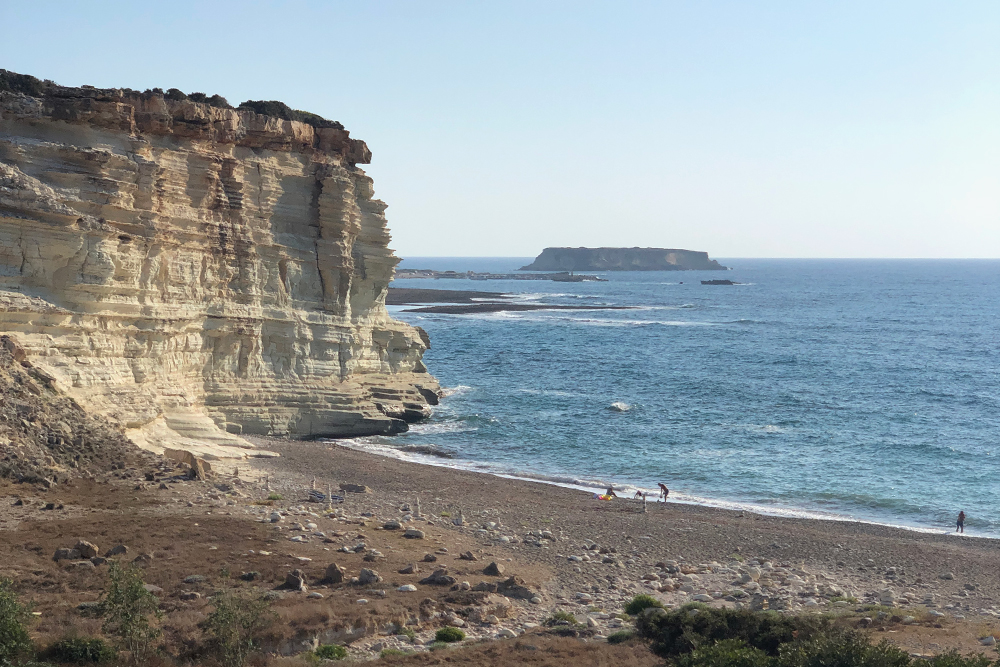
pixel 329 498
pixel 644 510
pixel 416 508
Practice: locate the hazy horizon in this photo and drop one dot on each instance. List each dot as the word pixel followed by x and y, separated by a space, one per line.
pixel 771 130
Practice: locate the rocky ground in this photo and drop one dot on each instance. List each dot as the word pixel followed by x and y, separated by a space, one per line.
pixel 45 435
pixel 413 548
pixel 929 593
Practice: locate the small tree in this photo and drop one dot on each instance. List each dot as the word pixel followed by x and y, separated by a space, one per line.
pixel 235 624
pixel 14 616
pixel 127 607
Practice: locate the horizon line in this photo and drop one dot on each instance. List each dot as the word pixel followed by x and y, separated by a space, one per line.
pixel 726 257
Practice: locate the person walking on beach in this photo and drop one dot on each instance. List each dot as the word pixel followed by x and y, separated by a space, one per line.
pixel 961 523
pixel 664 492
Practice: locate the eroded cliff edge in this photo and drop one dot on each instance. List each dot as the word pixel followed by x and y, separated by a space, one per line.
pixel 197 272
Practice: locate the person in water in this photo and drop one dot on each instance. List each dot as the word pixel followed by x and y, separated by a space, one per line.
pixel 961 523
pixel 664 492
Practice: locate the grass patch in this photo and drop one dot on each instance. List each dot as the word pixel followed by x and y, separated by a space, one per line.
pixel 274 496
pixel 389 652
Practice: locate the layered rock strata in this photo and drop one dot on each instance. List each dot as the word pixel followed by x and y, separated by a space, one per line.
pixel 622 259
pixel 197 273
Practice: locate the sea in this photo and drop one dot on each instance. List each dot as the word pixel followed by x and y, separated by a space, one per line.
pixel 863 390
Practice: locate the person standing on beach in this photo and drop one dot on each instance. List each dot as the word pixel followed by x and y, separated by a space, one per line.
pixel 664 492
pixel 961 523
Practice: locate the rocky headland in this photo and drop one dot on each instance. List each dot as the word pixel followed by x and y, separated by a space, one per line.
pixel 195 272
pixel 622 259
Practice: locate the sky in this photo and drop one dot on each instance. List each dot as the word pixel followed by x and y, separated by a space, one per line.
pixel 745 129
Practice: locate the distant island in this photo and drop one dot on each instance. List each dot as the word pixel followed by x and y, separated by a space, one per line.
pixel 622 259
pixel 560 277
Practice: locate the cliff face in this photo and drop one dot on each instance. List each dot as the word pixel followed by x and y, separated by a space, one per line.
pixel 622 259
pixel 199 272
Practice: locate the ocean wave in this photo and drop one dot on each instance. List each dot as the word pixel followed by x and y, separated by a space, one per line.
pixel 756 428
pixel 456 390
pixel 547 392
pixel 427 450
pixel 435 428
pixel 598 322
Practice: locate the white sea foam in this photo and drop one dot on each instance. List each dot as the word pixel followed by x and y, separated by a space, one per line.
pixel 434 428
pixel 456 390
pixel 619 406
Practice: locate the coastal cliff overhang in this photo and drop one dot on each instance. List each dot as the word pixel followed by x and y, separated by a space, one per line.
pixel 198 273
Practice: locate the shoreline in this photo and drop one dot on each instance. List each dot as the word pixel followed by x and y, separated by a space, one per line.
pixel 868 562
pixel 451 463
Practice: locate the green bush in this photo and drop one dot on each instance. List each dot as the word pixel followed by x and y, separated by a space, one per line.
pixel 274 496
pixel 21 83
pixel 127 608
pixel 725 653
pixel 235 624
pixel 285 112
pixel 330 652
pixel 14 616
pixel 621 636
pixel 560 618
pixel 955 659
pixel 641 602
pixel 849 650
pixel 674 633
pixel 449 635
pixel 80 651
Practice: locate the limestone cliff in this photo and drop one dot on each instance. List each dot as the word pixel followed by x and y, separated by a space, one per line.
pixel 197 272
pixel 622 259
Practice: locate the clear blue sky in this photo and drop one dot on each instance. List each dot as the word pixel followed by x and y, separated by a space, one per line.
pixel 747 129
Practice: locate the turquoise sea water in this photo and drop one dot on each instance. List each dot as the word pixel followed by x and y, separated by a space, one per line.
pixel 864 389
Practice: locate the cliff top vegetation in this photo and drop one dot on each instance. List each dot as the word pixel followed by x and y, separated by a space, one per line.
pixel 35 87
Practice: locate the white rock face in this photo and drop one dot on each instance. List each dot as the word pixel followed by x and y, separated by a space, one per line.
pixel 198 273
